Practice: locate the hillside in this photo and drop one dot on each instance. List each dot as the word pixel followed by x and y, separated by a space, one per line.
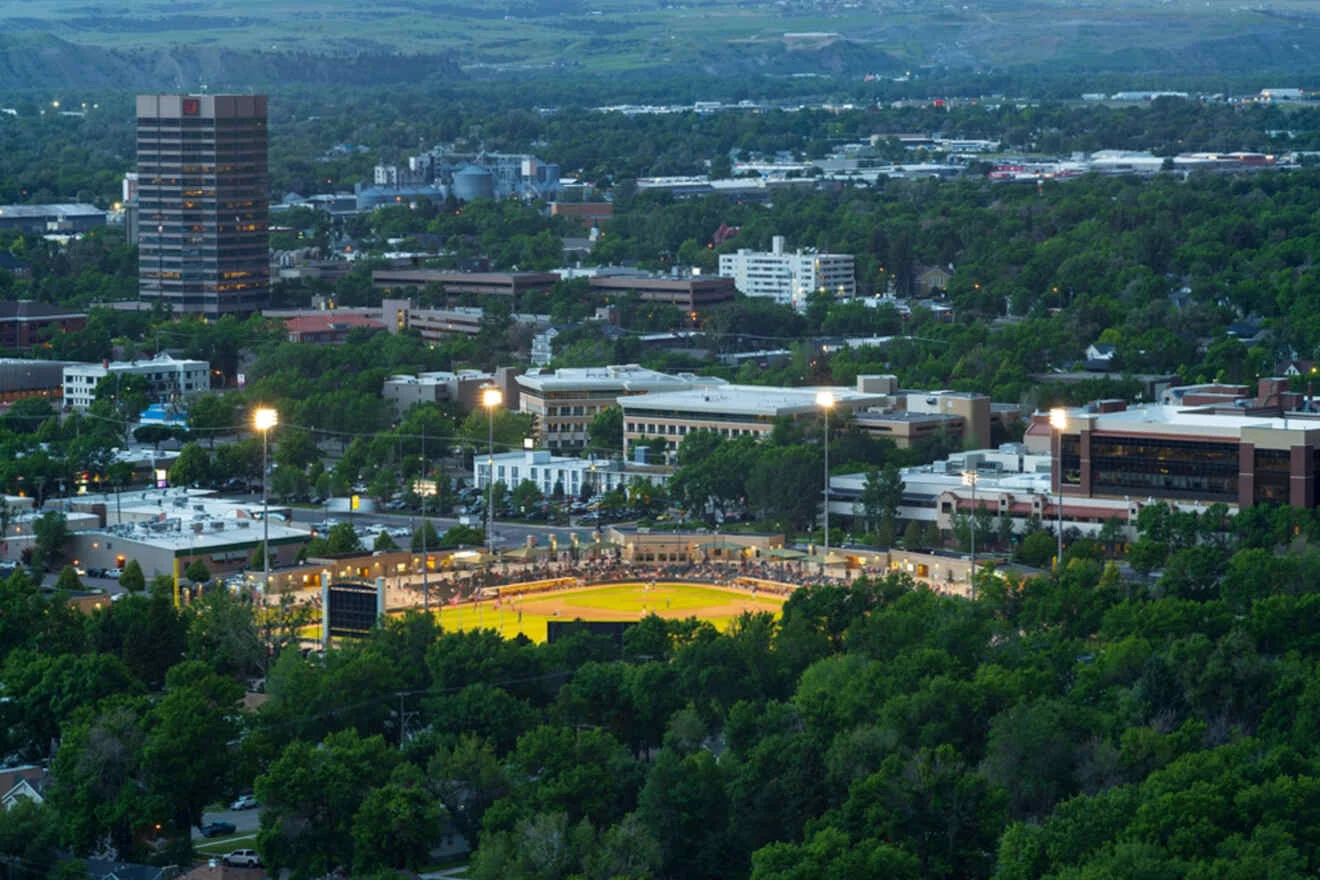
pixel 158 44
pixel 44 61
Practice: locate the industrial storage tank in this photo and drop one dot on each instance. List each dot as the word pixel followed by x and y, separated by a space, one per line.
pixel 473 183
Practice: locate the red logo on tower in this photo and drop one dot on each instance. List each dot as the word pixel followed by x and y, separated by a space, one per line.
pixel 191 106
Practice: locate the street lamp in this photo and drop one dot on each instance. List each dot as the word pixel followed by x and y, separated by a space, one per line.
pixel 491 397
pixel 1059 421
pixel 264 419
pixel 969 479
pixel 825 400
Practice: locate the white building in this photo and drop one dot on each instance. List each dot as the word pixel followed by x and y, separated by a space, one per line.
pixel 1011 482
pixel 543 347
pixel 790 278
pixel 565 401
pixel 548 471
pixel 730 411
pixel 168 379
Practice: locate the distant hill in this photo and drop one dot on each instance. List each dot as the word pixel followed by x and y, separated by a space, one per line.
pixel 45 61
pixel 236 43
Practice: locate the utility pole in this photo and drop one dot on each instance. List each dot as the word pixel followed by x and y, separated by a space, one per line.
pixel 403 720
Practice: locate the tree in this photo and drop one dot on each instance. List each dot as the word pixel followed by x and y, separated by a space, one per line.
pixel 605 432
pixel 396 824
pixel 211 415
pixel 424 535
pixel 222 633
pixel 52 534
pixel 467 778
pixel 183 764
pixel 526 494
pixel 68 581
pixel 342 538
pixel 131 578
pixel 1037 549
pixel 882 494
pixel 784 485
pixel 685 805
pixel 192 467
pixel 461 535
pixel 383 542
pixel 98 788
pixel 311 794
pixel 197 572
pixel 296 450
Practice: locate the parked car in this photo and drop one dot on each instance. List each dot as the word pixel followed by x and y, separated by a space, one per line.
pixel 244 802
pixel 218 828
pixel 243 858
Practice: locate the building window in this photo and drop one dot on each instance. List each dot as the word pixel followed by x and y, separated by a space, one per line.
pixel 1162 467
pixel 1273 468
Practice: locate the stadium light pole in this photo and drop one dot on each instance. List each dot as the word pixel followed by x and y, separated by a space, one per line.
pixel 264 419
pixel 491 397
pixel 825 400
pixel 1059 421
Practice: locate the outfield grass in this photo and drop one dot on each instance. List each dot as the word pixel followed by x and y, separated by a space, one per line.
pixel 614 602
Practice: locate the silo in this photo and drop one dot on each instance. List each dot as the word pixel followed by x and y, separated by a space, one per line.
pixel 473 183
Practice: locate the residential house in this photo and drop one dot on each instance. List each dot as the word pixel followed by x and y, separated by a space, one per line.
pixel 934 278
pixel 1294 367
pixel 1101 357
pixel 22 783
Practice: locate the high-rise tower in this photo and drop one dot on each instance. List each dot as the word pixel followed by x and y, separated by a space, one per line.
pixel 203 194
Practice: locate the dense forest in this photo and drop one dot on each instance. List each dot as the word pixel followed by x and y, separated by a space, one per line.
pixel 1072 726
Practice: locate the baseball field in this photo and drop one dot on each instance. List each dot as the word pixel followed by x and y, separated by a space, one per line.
pixel 529 614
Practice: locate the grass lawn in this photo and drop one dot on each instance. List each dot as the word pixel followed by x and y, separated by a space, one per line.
pixel 614 602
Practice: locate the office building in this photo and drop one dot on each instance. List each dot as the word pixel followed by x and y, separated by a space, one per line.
pixel 728 410
pixel 512 284
pixel 462 389
pixel 168 380
pixel 168 529
pixel 1109 460
pixel 1238 455
pixel 62 219
pixel 790 279
pixel 24 377
pixel 565 401
pixel 203 191
pixel 691 293
pixel 25 324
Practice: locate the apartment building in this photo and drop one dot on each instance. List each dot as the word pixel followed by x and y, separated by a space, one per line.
pixel 168 379
pixel 790 278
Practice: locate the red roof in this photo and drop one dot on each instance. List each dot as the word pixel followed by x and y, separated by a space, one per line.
pixel 328 322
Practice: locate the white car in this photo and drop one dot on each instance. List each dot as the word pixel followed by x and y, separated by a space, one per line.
pixel 244 802
pixel 243 858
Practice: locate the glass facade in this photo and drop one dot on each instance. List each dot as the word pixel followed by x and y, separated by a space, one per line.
pixel 1070 453
pixel 203 192
pixel 1273 468
pixel 1162 467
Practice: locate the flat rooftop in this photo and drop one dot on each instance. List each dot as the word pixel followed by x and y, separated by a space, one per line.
pixel 1167 419
pixel 63 209
pixel 754 400
pixel 622 377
